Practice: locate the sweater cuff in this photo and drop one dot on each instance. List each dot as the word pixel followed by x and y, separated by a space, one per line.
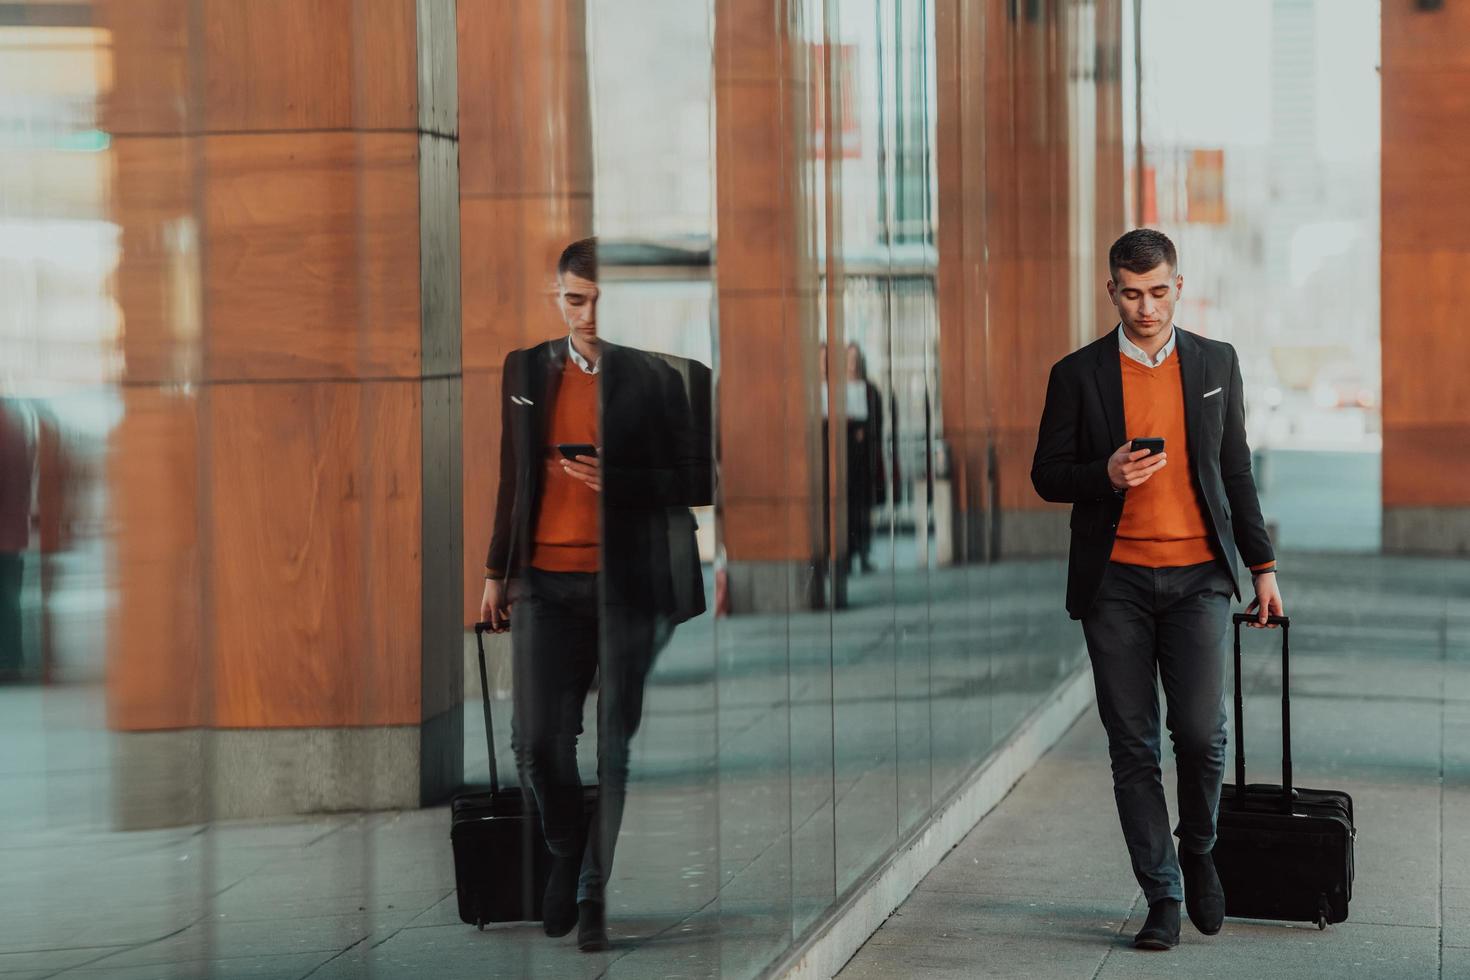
pixel 1269 566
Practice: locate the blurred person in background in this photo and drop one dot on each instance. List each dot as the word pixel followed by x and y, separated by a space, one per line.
pixel 16 478
pixel 864 457
pixel 1153 562
pixel 592 563
pixel 866 483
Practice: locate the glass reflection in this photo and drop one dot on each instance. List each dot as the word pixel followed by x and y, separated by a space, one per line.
pixel 213 530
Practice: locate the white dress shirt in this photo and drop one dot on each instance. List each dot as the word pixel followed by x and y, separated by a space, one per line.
pixel 582 362
pixel 1140 355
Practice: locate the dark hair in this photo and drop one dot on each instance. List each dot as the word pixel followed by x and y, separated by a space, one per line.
pixel 580 259
pixel 1141 250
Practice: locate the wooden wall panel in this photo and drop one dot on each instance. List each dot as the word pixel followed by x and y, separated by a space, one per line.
pixel 157 282
pixel 1425 295
pixel 1426 143
pixel 275 65
pixel 153 83
pixel 262 66
pixel 385 75
pixel 762 399
pixel 523 71
pixel 1425 266
pixel 155 663
pixel 509 247
pixel 1426 465
pixel 314 504
pixel 1415 40
pixel 312 269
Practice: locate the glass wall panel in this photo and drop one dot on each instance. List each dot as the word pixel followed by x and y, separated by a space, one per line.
pixel 268 271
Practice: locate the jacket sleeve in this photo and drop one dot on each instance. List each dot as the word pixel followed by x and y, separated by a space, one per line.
pixel 497 561
pixel 687 476
pixel 1251 539
pixel 1056 472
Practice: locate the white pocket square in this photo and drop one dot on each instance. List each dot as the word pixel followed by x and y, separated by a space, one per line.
pixel 1215 392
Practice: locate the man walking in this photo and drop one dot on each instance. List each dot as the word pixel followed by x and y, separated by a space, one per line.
pixel 603 450
pixel 1153 561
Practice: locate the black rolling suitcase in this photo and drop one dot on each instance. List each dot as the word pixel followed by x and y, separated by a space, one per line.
pixel 501 863
pixel 1282 852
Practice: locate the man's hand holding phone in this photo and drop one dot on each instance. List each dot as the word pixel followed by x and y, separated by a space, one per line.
pixel 1134 462
pixel 581 461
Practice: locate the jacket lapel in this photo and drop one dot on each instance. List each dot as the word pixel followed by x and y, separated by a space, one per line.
pixel 1109 376
pixel 548 380
pixel 1191 376
pixel 609 381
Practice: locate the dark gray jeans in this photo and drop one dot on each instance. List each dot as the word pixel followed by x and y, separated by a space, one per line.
pixel 558 635
pixel 1148 623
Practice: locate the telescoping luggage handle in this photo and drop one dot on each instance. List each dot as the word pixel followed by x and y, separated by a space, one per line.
pixel 480 629
pixel 1286 792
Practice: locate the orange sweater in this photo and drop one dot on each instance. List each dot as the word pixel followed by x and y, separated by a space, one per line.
pixel 567 523
pixel 1163 523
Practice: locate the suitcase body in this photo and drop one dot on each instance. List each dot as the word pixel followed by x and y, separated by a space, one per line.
pixel 1282 852
pixel 501 863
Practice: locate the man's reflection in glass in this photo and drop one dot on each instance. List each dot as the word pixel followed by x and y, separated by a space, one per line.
pixel 16 478
pixel 601 457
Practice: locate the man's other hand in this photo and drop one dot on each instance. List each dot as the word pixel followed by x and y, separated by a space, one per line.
pixel 495 605
pixel 1267 601
pixel 588 469
pixel 1129 469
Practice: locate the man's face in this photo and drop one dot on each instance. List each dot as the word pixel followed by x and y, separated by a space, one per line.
pixel 1146 300
pixel 577 299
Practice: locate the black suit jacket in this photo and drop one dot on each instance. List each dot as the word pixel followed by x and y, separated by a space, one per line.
pixel 656 464
pixel 1083 424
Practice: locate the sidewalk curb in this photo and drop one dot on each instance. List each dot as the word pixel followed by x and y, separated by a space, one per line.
pixel 837 938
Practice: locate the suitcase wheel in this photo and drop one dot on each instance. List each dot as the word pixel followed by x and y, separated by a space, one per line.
pixel 1321 913
pixel 480 924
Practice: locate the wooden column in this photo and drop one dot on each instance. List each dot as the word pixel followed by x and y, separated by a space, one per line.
pixel 964 273
pixel 284 183
pixel 769 415
pixel 1029 327
pixel 1111 219
pixel 1426 278
pixel 1005 267
pixel 525 193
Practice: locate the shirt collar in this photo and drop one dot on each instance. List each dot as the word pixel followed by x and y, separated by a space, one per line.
pixel 579 360
pixel 1130 349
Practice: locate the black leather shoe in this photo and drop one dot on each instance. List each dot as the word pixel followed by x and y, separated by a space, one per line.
pixel 592 927
pixel 559 906
pixel 1161 928
pixel 1204 899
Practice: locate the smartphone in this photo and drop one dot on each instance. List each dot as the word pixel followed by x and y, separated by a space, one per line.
pixel 1154 445
pixel 571 450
